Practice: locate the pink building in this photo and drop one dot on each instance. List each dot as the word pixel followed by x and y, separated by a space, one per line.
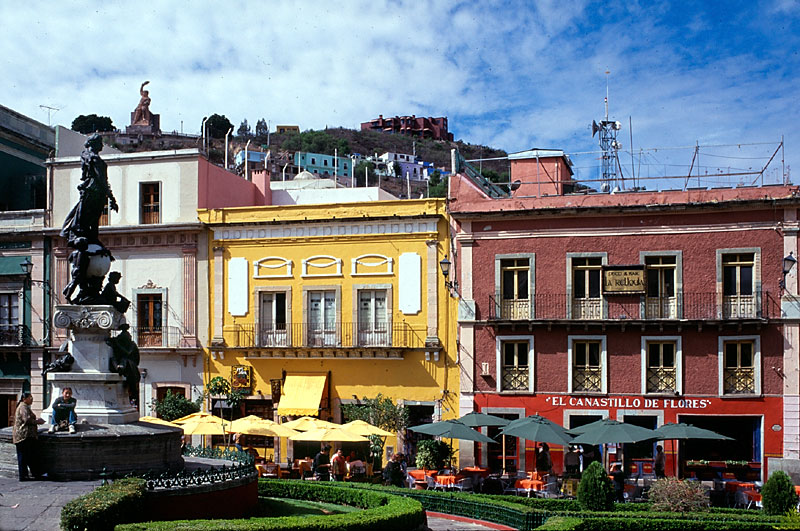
pixel 645 307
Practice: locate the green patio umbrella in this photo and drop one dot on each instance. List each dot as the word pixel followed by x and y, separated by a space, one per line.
pixel 535 428
pixel 581 429
pixel 681 431
pixel 452 429
pixel 476 419
pixel 611 431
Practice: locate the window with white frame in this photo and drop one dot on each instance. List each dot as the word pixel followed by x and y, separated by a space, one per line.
pixel 515 363
pixel 322 318
pixel 739 274
pixel 372 318
pixel 661 365
pixel 515 289
pixel 587 302
pixel 588 363
pixel 9 318
pixel 740 366
pixel 661 302
pixel 273 319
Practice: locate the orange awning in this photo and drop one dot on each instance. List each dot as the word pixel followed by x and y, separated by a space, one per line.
pixel 302 394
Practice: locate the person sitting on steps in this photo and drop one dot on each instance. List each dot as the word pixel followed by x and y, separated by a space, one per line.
pixel 63 414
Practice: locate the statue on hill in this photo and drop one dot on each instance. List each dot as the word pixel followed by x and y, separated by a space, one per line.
pixel 142 115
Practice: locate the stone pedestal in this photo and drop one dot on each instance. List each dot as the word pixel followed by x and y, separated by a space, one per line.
pixel 101 395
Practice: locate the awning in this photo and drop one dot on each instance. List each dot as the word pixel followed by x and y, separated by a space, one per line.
pixel 302 394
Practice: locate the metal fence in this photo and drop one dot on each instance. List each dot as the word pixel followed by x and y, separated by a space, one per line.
pixel 335 335
pixel 683 306
pixel 157 336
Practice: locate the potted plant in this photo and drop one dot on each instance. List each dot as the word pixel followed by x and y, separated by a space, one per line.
pixel 433 455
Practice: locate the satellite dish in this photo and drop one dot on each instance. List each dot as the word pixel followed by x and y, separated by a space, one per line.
pixel 595 128
pixel 617 126
pixel 515 185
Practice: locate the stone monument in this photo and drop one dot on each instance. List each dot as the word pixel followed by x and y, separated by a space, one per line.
pixel 143 121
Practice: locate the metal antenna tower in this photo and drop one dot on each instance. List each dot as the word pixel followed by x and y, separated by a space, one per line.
pixel 608 144
pixel 49 111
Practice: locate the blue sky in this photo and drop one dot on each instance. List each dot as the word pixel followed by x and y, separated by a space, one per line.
pixel 512 75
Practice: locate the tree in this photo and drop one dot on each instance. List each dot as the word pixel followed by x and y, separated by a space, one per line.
pixel 175 406
pixel 363 179
pixel 262 129
pixel 316 142
pixel 595 492
pixel 382 412
pixel 219 386
pixel 778 494
pixel 90 123
pixel 218 126
pixel 244 130
pixel 437 184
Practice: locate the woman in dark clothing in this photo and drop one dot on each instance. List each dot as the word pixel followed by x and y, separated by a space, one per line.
pixel 24 435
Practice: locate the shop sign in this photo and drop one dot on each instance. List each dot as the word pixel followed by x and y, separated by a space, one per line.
pixel 241 376
pixel 626 279
pixel 628 402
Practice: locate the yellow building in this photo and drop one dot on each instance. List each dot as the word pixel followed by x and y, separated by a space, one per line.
pixel 314 306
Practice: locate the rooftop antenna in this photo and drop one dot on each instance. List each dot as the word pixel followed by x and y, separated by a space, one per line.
pixel 608 143
pixel 49 111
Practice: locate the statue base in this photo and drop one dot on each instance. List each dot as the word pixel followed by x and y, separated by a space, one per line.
pixel 101 395
pixel 102 398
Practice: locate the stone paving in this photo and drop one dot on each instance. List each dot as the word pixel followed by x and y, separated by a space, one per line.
pixel 36 506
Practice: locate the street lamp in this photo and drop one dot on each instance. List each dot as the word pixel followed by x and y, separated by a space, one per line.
pixel 788 263
pixel 445 265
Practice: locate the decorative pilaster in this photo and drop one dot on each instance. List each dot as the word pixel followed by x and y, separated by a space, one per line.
pixel 219 295
pixel 189 296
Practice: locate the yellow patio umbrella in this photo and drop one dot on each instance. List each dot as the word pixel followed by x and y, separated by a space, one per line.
pixel 309 423
pixel 336 434
pixel 363 428
pixel 206 426
pixel 156 420
pixel 254 425
pixel 198 415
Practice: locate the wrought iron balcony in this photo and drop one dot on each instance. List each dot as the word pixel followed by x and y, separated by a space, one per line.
pixel 157 337
pixel 515 378
pixel 336 335
pixel 587 379
pixel 739 381
pixel 708 306
pixel 662 380
pixel 14 335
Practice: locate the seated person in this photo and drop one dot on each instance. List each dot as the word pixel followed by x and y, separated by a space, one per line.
pixel 304 467
pixel 63 413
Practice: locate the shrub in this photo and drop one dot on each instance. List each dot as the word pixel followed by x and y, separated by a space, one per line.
pixel 105 507
pixel 560 523
pixel 778 494
pixel 594 491
pixel 674 495
pixel 433 455
pixel 174 406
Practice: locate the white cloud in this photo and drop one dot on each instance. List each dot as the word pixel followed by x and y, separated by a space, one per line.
pixel 513 75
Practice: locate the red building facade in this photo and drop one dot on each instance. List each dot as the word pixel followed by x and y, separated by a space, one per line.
pixel 422 127
pixel 645 307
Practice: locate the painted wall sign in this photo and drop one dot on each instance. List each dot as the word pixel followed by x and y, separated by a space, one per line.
pixel 629 279
pixel 628 402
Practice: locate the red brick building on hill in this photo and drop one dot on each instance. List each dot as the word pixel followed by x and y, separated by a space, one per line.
pixel 645 307
pixel 433 128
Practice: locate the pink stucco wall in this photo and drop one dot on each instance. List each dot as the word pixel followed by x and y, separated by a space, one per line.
pixel 218 188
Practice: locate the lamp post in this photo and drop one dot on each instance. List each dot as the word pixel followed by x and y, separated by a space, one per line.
pixel 788 264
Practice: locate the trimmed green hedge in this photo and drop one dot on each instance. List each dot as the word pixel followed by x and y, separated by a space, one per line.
pixel 560 523
pixel 639 523
pixel 118 502
pixel 381 511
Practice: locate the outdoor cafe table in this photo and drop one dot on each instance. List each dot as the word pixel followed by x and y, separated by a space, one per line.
pixel 419 474
pixel 529 484
pixel 733 486
pixel 449 480
pixel 475 471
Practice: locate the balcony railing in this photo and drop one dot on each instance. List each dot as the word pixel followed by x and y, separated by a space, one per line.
pixel 686 306
pixel 661 380
pixel 14 335
pixel 739 381
pixel 515 378
pixel 587 379
pixel 338 335
pixel 161 336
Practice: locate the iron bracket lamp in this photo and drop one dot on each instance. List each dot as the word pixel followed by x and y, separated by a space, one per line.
pixel 445 264
pixel 788 264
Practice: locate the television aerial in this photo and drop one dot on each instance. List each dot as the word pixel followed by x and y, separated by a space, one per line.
pixel 609 144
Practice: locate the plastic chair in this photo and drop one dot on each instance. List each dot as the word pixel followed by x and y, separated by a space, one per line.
pixel 433 484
